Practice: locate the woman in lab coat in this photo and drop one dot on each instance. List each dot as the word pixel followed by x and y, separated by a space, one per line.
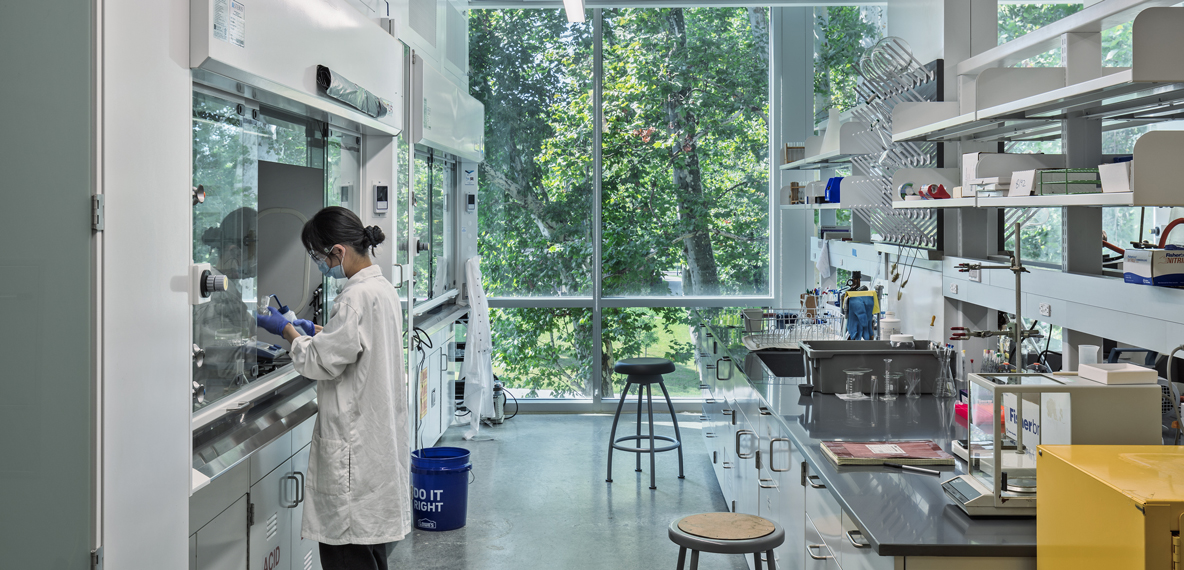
pixel 358 472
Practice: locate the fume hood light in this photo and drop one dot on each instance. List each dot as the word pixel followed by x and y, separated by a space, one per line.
pixel 574 10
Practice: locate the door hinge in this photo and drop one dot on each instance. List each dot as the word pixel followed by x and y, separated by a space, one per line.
pixel 97 221
pixel 96 559
pixel 250 514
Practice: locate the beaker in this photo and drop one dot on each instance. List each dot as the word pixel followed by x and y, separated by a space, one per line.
pixel 912 377
pixel 855 380
pixel 891 385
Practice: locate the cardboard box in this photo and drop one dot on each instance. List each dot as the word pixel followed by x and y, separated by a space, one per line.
pixel 1159 267
pixel 793 152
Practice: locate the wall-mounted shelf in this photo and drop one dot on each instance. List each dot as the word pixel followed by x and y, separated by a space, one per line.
pixel 824 160
pixel 1059 200
pixel 933 204
pixel 1013 104
pixel 810 207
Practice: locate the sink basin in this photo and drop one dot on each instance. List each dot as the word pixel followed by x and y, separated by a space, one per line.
pixel 783 363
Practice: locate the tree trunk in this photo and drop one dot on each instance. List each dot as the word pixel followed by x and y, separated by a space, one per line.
pixel 687 176
pixel 758 21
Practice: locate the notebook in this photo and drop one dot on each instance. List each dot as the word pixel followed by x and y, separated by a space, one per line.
pixel 923 452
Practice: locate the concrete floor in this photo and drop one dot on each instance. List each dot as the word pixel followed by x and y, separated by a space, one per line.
pixel 540 500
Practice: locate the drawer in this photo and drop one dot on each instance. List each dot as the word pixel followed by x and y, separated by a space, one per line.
pixel 824 510
pixel 856 554
pixel 818 555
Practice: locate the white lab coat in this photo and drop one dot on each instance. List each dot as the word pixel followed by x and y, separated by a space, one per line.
pixel 358 485
pixel 478 351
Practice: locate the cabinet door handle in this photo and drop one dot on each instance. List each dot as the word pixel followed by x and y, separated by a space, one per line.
pixel 727 412
pixel 708 434
pixel 704 387
pixel 810 480
pixel 300 488
pixel 772 464
pixel 765 411
pixel 767 483
pixel 703 418
pixel 810 550
pixel 739 434
pixel 852 539
pixel 718 367
pixel 297 500
pixel 727 465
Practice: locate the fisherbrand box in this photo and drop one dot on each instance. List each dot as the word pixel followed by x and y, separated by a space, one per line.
pixel 1161 267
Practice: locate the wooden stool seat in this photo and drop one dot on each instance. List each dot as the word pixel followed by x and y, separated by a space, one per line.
pixel 726 533
pixel 726 526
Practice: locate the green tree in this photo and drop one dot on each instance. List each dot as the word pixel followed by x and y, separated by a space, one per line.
pixel 685 183
pixel 842 34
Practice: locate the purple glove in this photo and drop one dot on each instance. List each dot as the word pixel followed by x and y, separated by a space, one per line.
pixel 307 326
pixel 272 322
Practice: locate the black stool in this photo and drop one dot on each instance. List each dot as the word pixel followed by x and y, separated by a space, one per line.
pixel 726 533
pixel 644 372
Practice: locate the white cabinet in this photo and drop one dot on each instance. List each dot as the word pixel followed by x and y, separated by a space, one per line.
pixel 219 545
pixel 818 554
pixel 270 518
pixel 854 551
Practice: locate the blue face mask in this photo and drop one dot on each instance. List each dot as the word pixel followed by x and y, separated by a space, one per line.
pixel 336 272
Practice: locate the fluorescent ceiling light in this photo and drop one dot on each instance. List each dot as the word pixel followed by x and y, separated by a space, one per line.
pixel 574 9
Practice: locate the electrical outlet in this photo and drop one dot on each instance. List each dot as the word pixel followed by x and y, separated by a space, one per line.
pixel 976 275
pixel 953 288
pixel 1045 310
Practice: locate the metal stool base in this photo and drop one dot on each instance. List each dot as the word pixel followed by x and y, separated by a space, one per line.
pixel 646 383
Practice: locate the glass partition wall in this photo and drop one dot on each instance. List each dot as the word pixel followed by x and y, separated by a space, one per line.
pixel 625 181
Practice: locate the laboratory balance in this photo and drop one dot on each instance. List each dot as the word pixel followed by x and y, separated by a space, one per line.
pixel 1010 415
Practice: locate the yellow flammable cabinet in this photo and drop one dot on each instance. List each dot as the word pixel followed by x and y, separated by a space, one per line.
pixel 1109 506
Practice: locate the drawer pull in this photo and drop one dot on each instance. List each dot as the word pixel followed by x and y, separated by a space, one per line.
pixel 739 434
pixel 851 538
pixel 767 483
pixel 765 411
pixel 704 387
pixel 810 480
pixel 810 550
pixel 709 401
pixel 772 463
pixel 703 418
pixel 727 465
pixel 727 412
pixel 708 434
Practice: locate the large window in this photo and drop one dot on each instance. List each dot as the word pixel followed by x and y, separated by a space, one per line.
pixel 686 152
pixel 684 202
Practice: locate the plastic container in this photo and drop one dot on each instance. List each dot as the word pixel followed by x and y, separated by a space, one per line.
pixel 889 325
pixel 1087 354
pixel 440 487
pixel 827 359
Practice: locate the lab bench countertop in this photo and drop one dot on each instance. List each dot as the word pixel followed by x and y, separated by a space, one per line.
pixel 900 513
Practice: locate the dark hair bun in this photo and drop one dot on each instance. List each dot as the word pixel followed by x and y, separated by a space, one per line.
pixel 374 236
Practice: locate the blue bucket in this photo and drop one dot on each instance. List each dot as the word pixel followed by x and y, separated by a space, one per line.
pixel 440 487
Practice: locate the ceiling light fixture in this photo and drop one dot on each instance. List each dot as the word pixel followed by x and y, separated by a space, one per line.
pixel 574 10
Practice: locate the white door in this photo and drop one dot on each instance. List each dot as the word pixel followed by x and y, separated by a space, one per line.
pixel 270 536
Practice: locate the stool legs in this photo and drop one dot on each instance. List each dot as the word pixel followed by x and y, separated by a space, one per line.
pixel 682 557
pixel 694 560
pixel 640 390
pixel 649 392
pixel 677 434
pixel 756 559
pixel 772 561
pixel 612 436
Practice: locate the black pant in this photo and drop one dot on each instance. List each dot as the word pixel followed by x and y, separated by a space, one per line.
pixel 353 557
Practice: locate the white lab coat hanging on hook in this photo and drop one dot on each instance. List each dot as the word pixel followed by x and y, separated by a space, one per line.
pixel 478 351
